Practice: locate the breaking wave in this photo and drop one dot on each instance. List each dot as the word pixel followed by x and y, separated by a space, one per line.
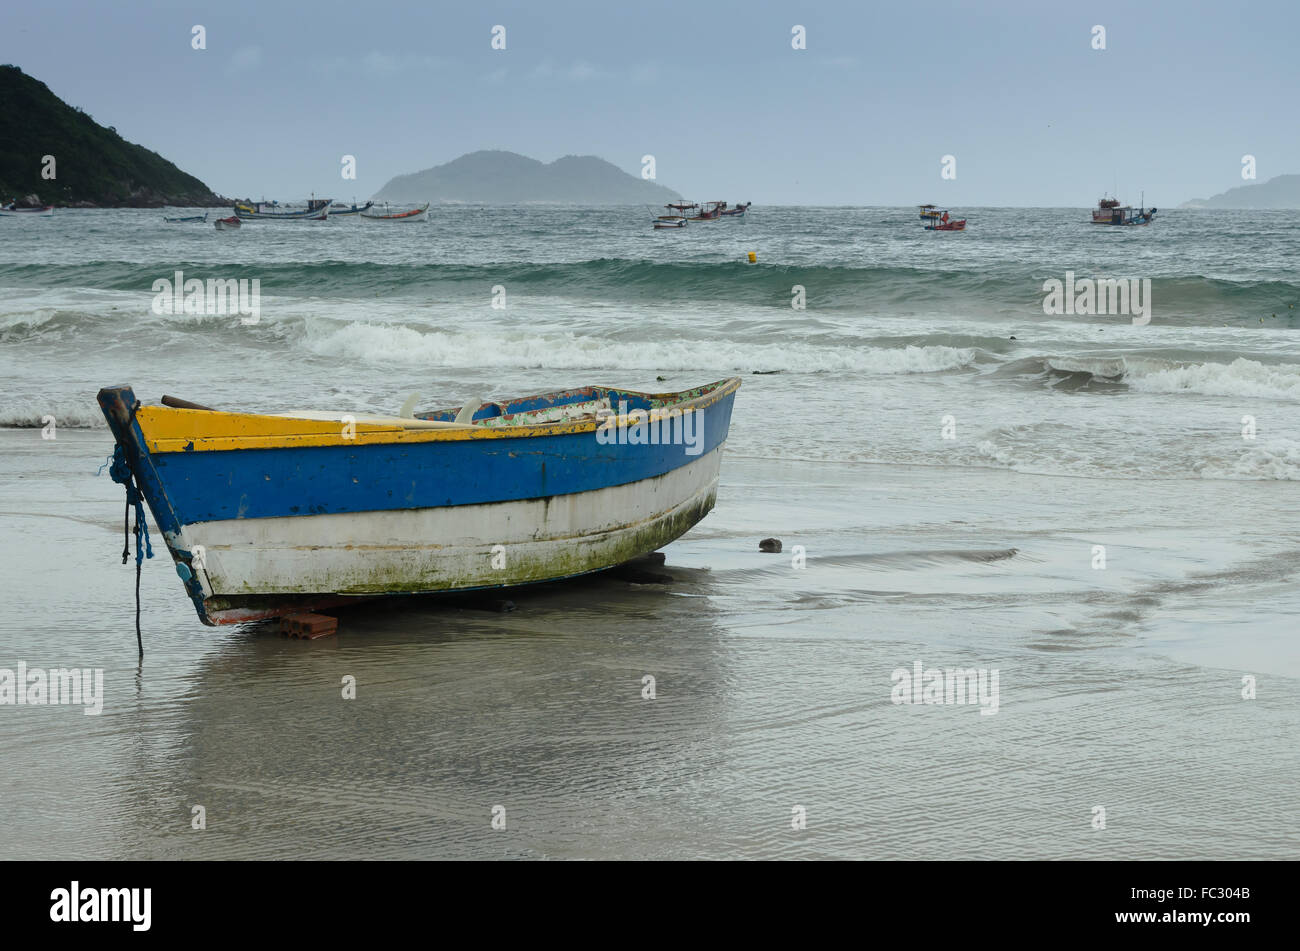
pixel 1279 461
pixel 379 344
pixel 1241 376
pixel 30 413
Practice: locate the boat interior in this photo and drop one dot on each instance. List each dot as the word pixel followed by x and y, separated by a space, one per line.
pixel 566 406
pixel 558 407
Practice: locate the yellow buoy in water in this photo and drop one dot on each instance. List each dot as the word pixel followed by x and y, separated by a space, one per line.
pixel 753 258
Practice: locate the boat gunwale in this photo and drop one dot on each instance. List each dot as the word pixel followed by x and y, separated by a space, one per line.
pixel 328 433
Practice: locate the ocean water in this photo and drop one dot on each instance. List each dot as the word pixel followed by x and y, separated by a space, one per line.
pixel 1105 512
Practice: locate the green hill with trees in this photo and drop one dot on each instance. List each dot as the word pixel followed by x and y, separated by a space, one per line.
pixel 93 165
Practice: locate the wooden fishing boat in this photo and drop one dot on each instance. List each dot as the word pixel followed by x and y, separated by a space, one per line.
pixel 266 515
pixel 944 223
pixel 185 220
pixel 737 212
pixel 711 211
pixel 225 224
pixel 11 210
pixel 420 213
pixel 273 211
pixel 672 221
pixel 339 210
pixel 1110 212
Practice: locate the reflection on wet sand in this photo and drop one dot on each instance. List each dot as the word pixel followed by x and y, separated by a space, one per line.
pixel 457 710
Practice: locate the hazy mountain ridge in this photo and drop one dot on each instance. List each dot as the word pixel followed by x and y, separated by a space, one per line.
pixel 1283 191
pixel 93 165
pixel 499 177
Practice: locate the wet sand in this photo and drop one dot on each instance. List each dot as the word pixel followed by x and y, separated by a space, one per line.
pixel 1119 687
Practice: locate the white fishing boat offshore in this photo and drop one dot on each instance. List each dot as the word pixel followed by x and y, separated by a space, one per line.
pixel 12 210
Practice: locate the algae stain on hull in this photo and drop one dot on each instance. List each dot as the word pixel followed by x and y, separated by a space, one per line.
pixel 577 556
pixel 269 567
pixel 566 559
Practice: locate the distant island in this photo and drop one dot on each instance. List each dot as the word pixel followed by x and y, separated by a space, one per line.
pixel 501 178
pixel 1280 192
pixel 94 167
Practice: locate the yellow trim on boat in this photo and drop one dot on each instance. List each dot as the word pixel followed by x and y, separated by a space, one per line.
pixel 167 429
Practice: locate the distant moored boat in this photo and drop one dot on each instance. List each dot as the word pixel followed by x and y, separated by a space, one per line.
pixel 940 221
pixel 420 213
pixel 268 211
pixel 1110 212
pixel 11 210
pixel 675 220
pixel 340 210
pixel 712 211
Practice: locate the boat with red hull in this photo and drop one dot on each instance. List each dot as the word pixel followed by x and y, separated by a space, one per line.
pixel 710 211
pixel 420 213
pixel 940 221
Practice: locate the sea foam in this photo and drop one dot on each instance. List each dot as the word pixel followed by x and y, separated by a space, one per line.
pixel 381 344
pixel 1241 377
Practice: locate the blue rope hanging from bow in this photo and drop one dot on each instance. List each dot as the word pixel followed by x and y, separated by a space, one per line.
pixel 120 471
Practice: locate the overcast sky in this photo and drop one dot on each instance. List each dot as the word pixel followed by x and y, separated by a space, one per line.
pixel 1015 91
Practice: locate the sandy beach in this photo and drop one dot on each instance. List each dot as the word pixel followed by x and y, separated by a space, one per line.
pixel 772 685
